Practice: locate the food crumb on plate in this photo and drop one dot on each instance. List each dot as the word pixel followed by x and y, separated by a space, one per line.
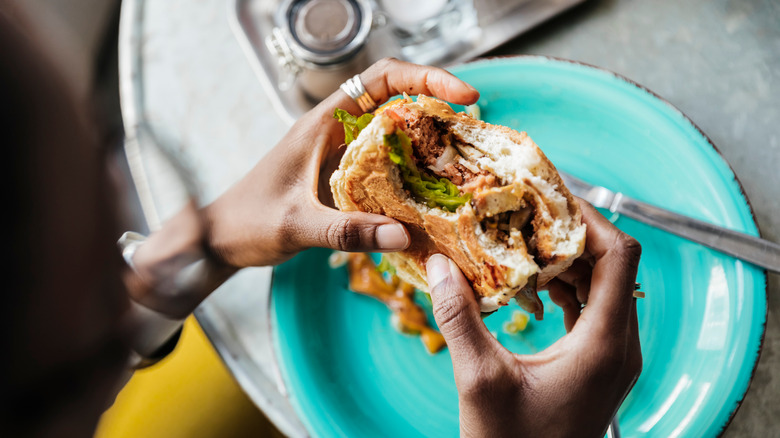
pixel 518 322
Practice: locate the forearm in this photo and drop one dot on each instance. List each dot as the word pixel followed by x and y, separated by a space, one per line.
pixel 170 274
pixel 173 271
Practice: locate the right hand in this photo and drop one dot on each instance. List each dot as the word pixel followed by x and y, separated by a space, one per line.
pixel 572 388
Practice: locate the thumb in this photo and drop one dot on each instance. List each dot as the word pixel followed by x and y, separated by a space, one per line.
pixel 457 313
pixel 354 231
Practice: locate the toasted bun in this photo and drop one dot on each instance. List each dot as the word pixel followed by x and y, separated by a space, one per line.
pixel 523 189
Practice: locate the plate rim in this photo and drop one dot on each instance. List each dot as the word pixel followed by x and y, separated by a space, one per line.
pixel 498 58
pixel 669 105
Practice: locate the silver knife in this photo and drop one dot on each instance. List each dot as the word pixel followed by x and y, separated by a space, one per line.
pixel 760 252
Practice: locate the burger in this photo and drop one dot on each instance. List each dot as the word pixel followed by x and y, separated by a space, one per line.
pixel 483 195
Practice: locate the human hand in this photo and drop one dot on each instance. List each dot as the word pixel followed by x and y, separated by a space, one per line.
pixel 284 204
pixel 572 388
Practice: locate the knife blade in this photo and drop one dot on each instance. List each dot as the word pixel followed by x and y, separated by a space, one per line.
pixel 760 252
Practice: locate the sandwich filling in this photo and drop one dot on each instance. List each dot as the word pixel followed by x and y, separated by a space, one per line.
pixel 482 194
pixel 433 192
pixel 440 169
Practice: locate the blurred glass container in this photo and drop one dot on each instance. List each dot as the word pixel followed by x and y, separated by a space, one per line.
pixel 319 43
pixel 431 30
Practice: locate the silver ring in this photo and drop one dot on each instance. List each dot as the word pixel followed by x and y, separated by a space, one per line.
pixel 355 89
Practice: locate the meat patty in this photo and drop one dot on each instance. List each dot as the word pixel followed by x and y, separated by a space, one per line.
pixel 431 138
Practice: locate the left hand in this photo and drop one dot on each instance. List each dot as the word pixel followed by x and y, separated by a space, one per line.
pixel 284 204
pixel 575 386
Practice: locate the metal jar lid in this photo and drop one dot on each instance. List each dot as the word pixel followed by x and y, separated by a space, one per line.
pixel 324 32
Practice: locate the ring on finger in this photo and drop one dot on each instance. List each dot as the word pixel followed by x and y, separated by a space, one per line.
pixel 638 293
pixel 355 89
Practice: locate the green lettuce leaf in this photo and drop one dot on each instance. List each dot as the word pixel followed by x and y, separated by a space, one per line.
pixel 352 125
pixel 385 267
pixel 432 191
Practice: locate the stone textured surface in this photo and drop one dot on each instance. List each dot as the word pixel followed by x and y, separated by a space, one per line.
pixel 716 60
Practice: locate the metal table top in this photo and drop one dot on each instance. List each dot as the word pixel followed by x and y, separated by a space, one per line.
pixel 184 75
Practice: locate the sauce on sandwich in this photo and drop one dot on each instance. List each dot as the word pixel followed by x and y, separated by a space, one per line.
pixel 398 295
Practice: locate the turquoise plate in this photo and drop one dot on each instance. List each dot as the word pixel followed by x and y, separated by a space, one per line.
pixel 349 373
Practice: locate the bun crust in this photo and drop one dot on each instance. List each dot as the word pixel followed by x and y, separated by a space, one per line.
pixel 500 262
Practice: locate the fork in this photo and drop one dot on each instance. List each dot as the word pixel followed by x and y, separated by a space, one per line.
pixel 752 249
pixel 613 431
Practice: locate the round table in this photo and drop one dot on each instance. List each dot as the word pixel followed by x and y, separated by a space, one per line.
pixel 184 75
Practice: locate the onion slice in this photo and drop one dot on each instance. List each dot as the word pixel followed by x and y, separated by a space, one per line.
pixel 447 157
pixel 465 163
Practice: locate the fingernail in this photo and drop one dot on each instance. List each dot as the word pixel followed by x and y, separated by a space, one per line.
pixel 438 268
pixel 470 87
pixel 391 237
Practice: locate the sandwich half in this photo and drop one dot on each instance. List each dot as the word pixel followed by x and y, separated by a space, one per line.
pixel 483 195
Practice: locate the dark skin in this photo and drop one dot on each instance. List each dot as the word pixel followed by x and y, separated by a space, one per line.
pixel 242 230
pixel 65 335
pixel 303 216
pixel 578 382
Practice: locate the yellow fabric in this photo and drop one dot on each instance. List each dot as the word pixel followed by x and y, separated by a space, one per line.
pixel 189 394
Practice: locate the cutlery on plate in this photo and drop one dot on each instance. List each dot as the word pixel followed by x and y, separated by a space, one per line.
pixel 752 249
pixel 613 431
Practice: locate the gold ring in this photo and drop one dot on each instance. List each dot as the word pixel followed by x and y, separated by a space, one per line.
pixel 638 293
